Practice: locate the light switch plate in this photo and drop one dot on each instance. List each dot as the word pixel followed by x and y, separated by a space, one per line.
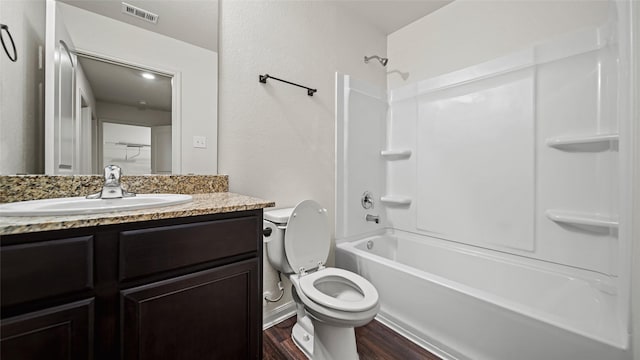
pixel 200 142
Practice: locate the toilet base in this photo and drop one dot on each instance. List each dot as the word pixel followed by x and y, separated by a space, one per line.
pixel 320 341
pixel 303 338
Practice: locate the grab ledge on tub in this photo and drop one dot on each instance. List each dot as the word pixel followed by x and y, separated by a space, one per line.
pixel 396 200
pixel 584 142
pixel 395 154
pixel 578 218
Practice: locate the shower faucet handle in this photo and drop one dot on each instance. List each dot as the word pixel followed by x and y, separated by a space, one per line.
pixel 367 200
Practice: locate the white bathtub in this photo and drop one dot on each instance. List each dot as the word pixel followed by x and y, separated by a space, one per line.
pixel 467 304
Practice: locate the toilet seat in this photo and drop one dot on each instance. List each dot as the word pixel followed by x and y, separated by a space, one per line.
pixel 369 295
pixel 327 314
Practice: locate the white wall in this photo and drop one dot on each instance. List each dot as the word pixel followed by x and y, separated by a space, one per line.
pixel 635 266
pixel 86 122
pixel 197 68
pixel 276 142
pixel 83 88
pixel 467 32
pixel 130 159
pixel 21 88
pixel 361 122
pixel 131 115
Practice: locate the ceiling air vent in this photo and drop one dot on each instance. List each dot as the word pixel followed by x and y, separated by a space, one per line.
pixel 139 13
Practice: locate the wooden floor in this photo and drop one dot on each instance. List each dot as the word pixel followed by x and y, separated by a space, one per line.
pixel 374 341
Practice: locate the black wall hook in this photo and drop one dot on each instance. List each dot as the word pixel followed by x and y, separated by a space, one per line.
pixel 263 79
pixel 5 28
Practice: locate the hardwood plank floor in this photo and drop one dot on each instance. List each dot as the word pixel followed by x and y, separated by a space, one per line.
pixel 374 341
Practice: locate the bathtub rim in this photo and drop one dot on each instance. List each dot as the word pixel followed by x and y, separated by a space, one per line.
pixel 619 341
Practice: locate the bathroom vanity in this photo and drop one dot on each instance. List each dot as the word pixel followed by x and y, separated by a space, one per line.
pixel 181 283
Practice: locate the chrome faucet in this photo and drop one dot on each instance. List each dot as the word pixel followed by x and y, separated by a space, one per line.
pixel 367 200
pixel 374 218
pixel 111 189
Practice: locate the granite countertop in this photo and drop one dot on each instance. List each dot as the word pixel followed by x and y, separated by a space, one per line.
pixel 202 204
pixel 34 187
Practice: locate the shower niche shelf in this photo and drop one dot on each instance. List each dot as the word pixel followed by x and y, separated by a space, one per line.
pixel 577 218
pixel 395 154
pixel 396 200
pixel 584 142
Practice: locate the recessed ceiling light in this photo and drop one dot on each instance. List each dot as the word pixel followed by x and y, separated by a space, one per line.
pixel 148 76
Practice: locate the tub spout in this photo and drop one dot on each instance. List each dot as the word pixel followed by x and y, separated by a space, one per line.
pixel 374 218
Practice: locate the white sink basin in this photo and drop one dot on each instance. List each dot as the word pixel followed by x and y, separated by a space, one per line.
pixel 82 205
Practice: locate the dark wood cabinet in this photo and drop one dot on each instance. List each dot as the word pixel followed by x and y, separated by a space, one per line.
pixel 208 310
pixel 185 288
pixel 63 332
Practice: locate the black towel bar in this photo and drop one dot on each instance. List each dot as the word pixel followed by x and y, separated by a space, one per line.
pixel 263 79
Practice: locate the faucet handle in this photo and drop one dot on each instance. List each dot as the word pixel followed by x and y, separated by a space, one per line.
pixel 112 174
pixel 367 200
pixel 111 188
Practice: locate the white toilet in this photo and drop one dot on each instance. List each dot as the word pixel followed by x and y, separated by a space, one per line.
pixel 330 301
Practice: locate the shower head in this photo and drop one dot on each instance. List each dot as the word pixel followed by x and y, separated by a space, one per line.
pixel 382 60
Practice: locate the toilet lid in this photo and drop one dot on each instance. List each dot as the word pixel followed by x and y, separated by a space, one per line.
pixel 307 240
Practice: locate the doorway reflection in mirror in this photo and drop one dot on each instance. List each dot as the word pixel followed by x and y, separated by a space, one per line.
pixel 124 117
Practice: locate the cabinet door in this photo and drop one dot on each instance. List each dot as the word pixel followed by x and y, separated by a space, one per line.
pixel 212 314
pixel 60 333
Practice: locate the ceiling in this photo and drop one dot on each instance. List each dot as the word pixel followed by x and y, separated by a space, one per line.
pixel 391 15
pixel 196 21
pixel 126 86
pixel 192 21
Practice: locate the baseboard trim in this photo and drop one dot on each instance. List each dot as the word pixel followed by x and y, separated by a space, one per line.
pixel 278 315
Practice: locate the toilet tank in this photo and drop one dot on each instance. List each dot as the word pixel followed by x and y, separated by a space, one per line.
pixel 277 221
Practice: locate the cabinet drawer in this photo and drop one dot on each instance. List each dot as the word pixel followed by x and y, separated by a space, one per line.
pixel 45 269
pixel 147 251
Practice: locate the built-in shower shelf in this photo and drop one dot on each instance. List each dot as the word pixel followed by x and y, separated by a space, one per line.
pixel 396 200
pixel 577 218
pixel 395 154
pixel 583 141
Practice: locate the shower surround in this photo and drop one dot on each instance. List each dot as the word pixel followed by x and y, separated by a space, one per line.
pixel 503 191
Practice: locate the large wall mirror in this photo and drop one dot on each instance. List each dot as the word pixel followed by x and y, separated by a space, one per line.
pixel 110 82
pixel 135 121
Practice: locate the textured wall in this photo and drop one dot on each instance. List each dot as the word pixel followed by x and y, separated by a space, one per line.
pixel 22 89
pixel 276 142
pixel 635 271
